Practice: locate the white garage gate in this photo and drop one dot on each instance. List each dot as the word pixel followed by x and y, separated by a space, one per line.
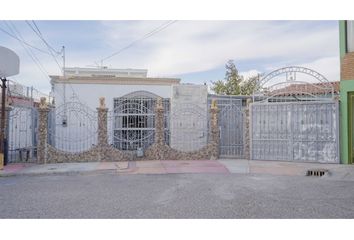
pixel 295 120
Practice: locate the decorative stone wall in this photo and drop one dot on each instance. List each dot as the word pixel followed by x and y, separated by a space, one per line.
pixel 247 138
pixel 159 123
pixel 160 151
pixel 104 152
pixel 102 124
pixel 42 152
pixel 101 152
pixel 58 156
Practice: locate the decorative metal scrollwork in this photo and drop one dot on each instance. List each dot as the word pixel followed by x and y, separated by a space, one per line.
pixel 188 128
pixel 72 127
pixel 294 87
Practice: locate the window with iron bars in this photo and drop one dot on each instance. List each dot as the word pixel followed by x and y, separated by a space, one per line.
pixel 134 122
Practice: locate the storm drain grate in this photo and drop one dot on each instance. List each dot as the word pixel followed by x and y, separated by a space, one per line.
pixel 316 172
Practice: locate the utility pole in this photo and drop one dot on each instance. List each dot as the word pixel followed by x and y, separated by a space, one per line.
pixel 9 66
pixel 63 52
pixel 64 85
pixel 3 140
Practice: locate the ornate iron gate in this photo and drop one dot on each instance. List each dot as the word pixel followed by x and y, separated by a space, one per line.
pixel 189 128
pixel 295 120
pixel 231 123
pixel 72 127
pixel 132 121
pixel 22 134
pixel 301 131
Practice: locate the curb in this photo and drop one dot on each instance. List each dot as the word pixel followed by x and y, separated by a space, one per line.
pixel 58 173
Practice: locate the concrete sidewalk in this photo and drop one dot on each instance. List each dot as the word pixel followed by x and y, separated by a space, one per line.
pixel 128 167
pixel 335 171
pixel 223 166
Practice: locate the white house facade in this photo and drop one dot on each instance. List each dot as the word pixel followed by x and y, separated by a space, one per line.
pixel 130 97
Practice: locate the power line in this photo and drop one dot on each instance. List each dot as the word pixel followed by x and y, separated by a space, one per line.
pixel 147 35
pixel 11 35
pixel 28 50
pixel 50 48
pixel 15 32
pixel 41 37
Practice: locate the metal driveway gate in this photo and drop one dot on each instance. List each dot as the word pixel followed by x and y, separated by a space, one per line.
pixel 231 124
pixel 300 131
pixel 295 120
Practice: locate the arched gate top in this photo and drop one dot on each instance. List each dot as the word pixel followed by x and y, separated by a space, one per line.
pixel 293 69
pixel 291 86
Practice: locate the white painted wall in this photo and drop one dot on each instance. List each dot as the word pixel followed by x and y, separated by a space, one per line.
pixel 188 125
pixel 89 94
pixel 188 120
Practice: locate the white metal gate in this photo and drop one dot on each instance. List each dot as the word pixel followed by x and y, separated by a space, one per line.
pixel 231 125
pixel 297 131
pixel 131 124
pixel 295 118
pixel 22 134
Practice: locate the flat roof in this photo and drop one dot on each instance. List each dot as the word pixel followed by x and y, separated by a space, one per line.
pixel 114 80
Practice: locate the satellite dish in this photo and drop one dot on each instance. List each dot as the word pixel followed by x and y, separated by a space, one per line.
pixel 9 63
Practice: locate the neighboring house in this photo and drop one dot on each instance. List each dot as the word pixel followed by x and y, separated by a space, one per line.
pixel 22 122
pixel 346 41
pixel 308 90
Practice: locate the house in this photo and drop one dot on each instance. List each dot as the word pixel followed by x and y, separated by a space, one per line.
pixel 130 96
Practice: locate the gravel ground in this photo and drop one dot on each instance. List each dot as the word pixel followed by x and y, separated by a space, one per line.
pixel 174 196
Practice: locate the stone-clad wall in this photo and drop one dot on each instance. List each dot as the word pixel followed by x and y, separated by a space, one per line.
pixel 58 156
pixel 160 151
pixel 97 153
pixel 42 150
pixel 101 152
pixel 104 152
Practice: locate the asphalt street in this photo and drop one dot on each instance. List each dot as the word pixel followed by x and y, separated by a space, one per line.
pixel 110 195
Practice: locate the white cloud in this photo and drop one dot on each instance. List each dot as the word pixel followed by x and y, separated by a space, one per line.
pixel 192 46
pixel 250 73
pixel 196 46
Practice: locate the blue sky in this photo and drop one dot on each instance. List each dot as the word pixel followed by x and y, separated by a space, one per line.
pixel 195 51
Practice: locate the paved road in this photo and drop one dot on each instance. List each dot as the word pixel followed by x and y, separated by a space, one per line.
pixel 175 196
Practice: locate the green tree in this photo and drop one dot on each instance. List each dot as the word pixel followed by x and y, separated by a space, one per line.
pixel 234 83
